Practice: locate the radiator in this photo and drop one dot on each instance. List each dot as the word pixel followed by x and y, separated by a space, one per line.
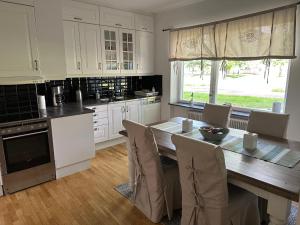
pixel 233 123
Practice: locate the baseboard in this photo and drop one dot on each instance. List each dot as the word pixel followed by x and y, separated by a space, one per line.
pixel 106 144
pixel 74 168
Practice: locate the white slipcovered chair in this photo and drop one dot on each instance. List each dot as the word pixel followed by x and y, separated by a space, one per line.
pixel 156 190
pixel 267 123
pixel 217 115
pixel 273 125
pixel 206 197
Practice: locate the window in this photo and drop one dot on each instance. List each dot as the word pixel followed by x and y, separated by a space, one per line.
pixel 243 84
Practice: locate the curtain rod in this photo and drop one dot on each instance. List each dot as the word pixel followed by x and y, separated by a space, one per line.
pixel 232 19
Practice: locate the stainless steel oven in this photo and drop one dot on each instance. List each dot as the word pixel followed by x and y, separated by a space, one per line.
pixel 26 155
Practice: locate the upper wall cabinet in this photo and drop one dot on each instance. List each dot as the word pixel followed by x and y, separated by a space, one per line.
pixel 81 12
pixel 82 48
pixel 18 42
pixel 116 18
pixel 144 23
pixel 144 52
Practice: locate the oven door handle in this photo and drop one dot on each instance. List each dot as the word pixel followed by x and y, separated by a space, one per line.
pixel 24 135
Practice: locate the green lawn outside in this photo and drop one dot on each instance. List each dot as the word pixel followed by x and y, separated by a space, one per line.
pixel 238 101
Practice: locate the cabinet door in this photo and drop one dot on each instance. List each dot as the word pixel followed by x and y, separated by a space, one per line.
pixel 144 52
pixel 110 50
pixel 116 115
pixel 127 52
pixel 18 42
pixel 116 18
pixel 72 48
pixel 144 23
pixel 133 111
pixel 151 113
pixel 81 12
pixel 90 49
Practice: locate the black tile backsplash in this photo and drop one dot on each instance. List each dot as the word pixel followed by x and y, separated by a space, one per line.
pixel 20 102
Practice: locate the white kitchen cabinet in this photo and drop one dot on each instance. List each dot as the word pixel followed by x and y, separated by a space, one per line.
pixel 116 18
pixel 116 112
pixel 73 143
pixel 127 51
pixel 144 23
pixel 144 52
pixel 150 113
pixel 50 35
pixel 133 110
pixel 90 48
pixel 19 48
pixel 82 49
pixel 80 12
pixel 110 50
pixel 72 48
pixel 118 51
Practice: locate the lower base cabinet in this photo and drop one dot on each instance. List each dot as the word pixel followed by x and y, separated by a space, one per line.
pixel 73 143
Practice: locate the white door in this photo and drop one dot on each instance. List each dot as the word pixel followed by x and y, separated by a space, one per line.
pixel 110 51
pixel 127 51
pixel 116 112
pixel 144 52
pixel 133 111
pixel 72 48
pixel 18 42
pixel 90 49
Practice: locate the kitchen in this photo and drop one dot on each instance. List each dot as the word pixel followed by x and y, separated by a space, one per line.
pixel 70 75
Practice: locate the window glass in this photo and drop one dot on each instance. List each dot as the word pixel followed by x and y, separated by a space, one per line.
pixel 196 79
pixel 248 84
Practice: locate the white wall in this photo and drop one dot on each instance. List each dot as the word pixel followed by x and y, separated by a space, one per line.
pixel 213 10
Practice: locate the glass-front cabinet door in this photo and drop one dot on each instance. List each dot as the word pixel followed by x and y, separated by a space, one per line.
pixel 110 50
pixel 127 53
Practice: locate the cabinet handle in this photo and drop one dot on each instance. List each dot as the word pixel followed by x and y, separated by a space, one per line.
pixel 127 109
pixel 78 66
pixel 36 65
pixel 99 66
pixel 118 24
pixel 77 18
pixel 144 28
pixel 95 129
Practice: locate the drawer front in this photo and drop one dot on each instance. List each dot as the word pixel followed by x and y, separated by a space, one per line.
pixel 101 133
pixel 98 108
pixel 98 122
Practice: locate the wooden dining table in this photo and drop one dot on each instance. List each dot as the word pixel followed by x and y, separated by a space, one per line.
pixel 278 184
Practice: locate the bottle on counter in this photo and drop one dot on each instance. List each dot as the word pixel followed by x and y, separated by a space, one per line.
pixel 97 95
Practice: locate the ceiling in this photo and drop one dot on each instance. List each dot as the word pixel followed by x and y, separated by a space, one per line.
pixel 146 6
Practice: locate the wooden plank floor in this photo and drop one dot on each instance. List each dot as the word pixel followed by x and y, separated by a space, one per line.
pixel 84 198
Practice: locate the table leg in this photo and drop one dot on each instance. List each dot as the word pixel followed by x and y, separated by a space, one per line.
pixel 131 169
pixel 278 209
pixel 298 215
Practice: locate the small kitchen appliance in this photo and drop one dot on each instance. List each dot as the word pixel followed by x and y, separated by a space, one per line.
pixel 57 95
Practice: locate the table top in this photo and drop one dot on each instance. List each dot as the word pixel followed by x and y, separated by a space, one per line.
pixel 280 180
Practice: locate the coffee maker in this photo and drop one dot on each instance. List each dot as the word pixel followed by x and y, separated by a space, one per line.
pixel 57 95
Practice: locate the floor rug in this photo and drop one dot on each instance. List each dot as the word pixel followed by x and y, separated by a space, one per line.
pixel 124 190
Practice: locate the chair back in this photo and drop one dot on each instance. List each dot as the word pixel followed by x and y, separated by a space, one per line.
pixel 203 181
pixel 217 115
pixel 266 123
pixel 148 194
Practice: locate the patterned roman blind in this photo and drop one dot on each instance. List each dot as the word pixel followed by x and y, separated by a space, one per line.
pixel 265 35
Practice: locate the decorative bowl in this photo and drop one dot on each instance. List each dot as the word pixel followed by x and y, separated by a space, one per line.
pixel 213 133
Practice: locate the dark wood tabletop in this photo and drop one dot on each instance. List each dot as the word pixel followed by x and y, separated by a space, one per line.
pixel 280 180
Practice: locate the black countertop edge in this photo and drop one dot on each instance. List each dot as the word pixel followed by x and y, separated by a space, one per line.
pixel 234 114
pixel 94 102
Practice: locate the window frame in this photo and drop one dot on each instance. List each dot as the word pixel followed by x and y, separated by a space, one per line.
pixel 213 90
